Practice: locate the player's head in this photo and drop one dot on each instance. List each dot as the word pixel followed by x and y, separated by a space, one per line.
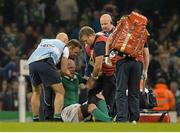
pixel 63 37
pixel 71 66
pixel 74 48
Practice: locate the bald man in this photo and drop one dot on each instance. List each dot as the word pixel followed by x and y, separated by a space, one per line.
pixel 63 37
pixel 43 71
pixel 106 24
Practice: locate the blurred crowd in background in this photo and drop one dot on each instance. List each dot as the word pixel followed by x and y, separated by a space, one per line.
pixel 24 22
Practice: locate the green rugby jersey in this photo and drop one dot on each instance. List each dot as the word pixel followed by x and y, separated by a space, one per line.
pixel 71 89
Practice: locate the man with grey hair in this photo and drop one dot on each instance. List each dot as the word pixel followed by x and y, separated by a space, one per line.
pixel 106 24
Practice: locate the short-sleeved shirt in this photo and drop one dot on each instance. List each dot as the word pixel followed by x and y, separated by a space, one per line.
pixel 71 89
pixel 99 48
pixel 48 48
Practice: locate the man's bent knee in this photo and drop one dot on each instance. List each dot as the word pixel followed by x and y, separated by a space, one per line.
pixel 91 107
pixel 36 89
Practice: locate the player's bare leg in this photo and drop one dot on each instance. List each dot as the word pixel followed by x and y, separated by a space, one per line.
pixel 35 102
pixel 59 99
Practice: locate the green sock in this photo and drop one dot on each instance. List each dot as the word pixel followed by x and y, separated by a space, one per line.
pixel 99 115
pixel 57 116
pixel 103 107
pixel 35 117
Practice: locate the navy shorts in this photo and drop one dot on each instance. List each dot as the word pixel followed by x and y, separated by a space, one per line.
pixel 45 72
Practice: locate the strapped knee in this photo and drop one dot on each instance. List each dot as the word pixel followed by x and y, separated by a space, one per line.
pixel 84 110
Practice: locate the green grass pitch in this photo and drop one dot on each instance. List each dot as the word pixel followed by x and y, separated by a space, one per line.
pixel 88 127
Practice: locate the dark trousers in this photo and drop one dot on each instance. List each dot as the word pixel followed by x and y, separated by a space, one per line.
pixel 46 104
pixel 106 84
pixel 128 75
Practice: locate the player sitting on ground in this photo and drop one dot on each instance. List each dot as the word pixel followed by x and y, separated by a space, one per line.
pixel 74 112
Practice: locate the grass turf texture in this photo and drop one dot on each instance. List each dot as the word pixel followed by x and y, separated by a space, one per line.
pixel 88 127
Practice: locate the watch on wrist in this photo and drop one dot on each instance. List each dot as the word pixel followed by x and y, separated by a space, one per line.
pixel 106 55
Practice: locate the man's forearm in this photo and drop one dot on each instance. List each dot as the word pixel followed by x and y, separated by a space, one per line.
pixel 97 66
pixel 108 43
pixel 146 59
pixel 107 50
pixel 96 70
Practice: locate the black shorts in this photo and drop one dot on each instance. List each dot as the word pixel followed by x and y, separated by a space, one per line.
pixel 45 72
